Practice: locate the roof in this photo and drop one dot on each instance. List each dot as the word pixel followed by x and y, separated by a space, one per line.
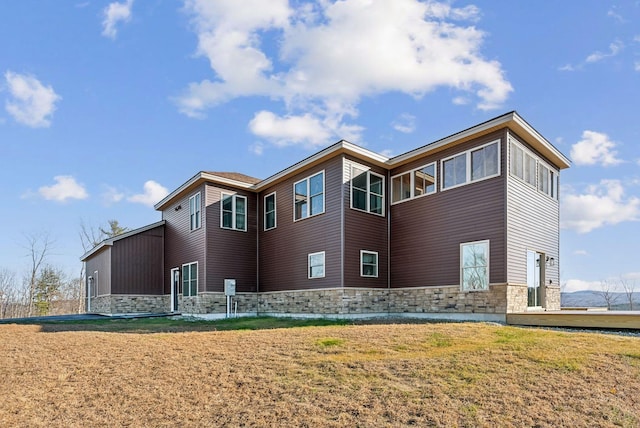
pixel 109 241
pixel 511 120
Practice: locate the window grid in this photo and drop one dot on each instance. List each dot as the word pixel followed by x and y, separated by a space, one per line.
pixel 413 184
pixel 367 190
pixel 233 213
pixel 308 196
pixel 533 171
pixel 195 217
pixel 316 265
pixel 190 279
pixel 270 211
pixel 368 264
pixel 476 164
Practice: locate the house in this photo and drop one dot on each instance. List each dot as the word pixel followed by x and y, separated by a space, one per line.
pixel 466 227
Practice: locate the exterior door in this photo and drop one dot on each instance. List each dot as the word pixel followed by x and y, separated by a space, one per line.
pixel 175 288
pixel 535 278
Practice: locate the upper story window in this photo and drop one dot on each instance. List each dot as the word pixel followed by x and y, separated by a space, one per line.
pixel 194 211
pixel 473 165
pixel 414 183
pixel 474 266
pixel 367 190
pixel 234 212
pixel 309 196
pixel 533 171
pixel 270 211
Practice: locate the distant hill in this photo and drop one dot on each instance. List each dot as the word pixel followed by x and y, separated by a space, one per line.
pixel 594 299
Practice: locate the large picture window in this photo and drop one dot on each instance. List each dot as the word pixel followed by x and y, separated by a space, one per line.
pixel 190 279
pixel 270 211
pixel 367 191
pixel 369 264
pixel 234 212
pixel 309 196
pixel 474 266
pixel 194 211
pixel 414 183
pixel 473 165
pixel 316 265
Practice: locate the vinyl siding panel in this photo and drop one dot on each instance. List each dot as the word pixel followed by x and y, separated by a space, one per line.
pixel 533 224
pixel 284 250
pixel 137 263
pixel 364 231
pixel 181 244
pixel 230 253
pixel 100 262
pixel 426 232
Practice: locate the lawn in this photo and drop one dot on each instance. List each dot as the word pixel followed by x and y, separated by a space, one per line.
pixel 436 374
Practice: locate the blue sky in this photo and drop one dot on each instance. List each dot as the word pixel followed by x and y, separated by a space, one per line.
pixel 104 107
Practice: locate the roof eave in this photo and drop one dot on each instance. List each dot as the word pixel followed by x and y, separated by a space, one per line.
pixel 109 241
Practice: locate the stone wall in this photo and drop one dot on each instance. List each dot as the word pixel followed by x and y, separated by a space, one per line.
pixel 129 304
pixel 517 298
pixel 216 303
pixel 552 297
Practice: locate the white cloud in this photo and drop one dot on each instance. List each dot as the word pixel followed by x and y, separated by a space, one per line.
pixel 567 67
pixel 595 148
pixel 600 205
pixel 111 195
pixel 66 188
pixel 288 130
pixel 572 285
pixel 153 193
pixel 614 49
pixel 406 123
pixel 581 253
pixel 461 101
pixel 31 103
pixel 321 58
pixel 113 15
pixel 613 14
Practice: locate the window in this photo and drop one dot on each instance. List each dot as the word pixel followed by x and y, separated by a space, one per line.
pixel 367 191
pixel 270 211
pixel 309 196
pixel 517 161
pixel 474 266
pixel 190 279
pixel 414 183
pixel 530 169
pixel 194 211
pixel 316 265
pixel 369 264
pixel 473 165
pixel 533 171
pixel 543 179
pixel 234 212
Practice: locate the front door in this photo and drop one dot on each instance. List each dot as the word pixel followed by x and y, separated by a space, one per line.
pixel 175 288
pixel 535 277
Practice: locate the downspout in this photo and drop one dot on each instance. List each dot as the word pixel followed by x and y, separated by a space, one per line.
pixel 258 251
pixel 388 206
pixel 342 225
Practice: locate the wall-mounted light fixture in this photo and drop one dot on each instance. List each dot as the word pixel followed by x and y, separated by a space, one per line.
pixel 551 261
pixel 178 208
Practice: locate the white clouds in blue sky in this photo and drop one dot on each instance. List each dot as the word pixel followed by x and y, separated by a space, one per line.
pixel 114 14
pixel 29 102
pixel 65 188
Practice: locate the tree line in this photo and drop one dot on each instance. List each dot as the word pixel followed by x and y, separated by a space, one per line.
pixel 44 289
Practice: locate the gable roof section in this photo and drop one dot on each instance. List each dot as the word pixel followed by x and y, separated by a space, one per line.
pixel 511 120
pixel 109 241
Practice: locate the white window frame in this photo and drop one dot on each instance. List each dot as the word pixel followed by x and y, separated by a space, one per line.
pixel 309 266
pixel 368 192
pixel 468 172
pixel 553 174
pixel 190 279
pixel 234 197
pixel 488 274
pixel 195 211
pixel 309 196
pixel 275 217
pixel 412 184
pixel 362 264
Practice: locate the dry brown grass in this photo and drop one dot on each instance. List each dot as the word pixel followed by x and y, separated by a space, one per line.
pixel 368 375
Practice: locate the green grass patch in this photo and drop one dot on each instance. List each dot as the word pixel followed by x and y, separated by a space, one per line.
pixel 328 342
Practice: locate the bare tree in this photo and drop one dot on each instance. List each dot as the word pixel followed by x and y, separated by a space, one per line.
pixel 628 287
pixel 39 247
pixel 7 291
pixel 608 293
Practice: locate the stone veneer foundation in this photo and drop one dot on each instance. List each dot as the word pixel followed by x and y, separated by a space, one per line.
pixel 432 302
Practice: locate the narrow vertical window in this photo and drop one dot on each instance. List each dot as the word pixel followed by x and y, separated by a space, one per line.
pixel 194 211
pixel 316 265
pixel 543 179
pixel 424 180
pixel 455 171
pixel 309 196
pixel 233 212
pixel 474 266
pixel 369 264
pixel 530 169
pixel 517 161
pixel 270 211
pixel 190 279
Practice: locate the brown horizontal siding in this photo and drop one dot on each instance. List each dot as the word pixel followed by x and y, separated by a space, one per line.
pixel 532 224
pixel 230 254
pixel 137 263
pixel 284 250
pixel 181 244
pixel 364 231
pixel 100 262
pixel 426 232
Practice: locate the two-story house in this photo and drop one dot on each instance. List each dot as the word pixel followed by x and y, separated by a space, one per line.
pixel 466 227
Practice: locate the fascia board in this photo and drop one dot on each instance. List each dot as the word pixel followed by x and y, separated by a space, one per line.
pixel 109 241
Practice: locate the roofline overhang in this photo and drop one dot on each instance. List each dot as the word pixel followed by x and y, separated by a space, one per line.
pixel 109 241
pixel 510 120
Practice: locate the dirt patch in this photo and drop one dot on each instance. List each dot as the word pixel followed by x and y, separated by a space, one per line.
pixel 364 375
